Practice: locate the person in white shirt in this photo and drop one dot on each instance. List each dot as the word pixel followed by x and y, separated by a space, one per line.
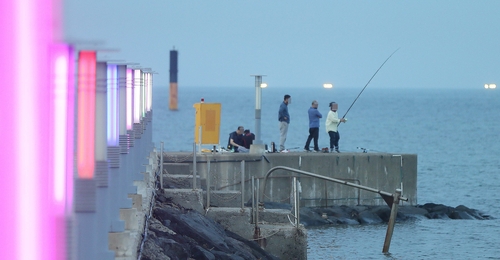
pixel 332 122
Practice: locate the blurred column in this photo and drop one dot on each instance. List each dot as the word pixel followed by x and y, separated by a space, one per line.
pixel 113 120
pixel 173 80
pixel 62 83
pixel 122 108
pixel 102 133
pixel 101 123
pixel 85 184
pixel 130 107
pixel 137 104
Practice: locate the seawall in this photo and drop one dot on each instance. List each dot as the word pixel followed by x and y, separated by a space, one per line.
pixel 382 171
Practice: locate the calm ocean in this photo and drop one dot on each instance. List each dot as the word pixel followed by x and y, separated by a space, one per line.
pixel 455 133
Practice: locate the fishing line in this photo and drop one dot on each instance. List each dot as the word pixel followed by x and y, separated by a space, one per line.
pixel 368 83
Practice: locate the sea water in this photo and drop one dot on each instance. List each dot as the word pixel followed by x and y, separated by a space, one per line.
pixel 454 132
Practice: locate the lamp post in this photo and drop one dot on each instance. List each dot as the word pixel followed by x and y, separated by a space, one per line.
pixel 258 102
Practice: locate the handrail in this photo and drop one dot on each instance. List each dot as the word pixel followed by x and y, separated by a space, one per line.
pixel 391 199
pixel 283 176
pixel 383 193
pixel 242 187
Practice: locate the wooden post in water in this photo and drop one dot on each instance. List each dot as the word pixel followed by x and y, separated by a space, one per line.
pixel 392 220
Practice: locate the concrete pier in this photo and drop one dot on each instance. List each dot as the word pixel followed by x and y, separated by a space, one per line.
pixel 382 171
pixel 226 186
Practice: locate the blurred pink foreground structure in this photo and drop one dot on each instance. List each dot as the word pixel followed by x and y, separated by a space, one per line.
pixel 48 131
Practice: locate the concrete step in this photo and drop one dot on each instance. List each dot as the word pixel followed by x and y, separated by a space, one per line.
pixel 225 198
pixel 234 215
pixel 182 181
pixel 187 198
pixel 275 216
pixel 275 239
pixel 233 219
pixel 177 168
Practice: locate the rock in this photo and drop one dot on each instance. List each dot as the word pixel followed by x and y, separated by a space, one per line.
pixel 162 198
pixel 173 249
pixel 472 212
pixel 440 211
pixel 153 251
pixel 308 217
pixel 437 215
pixel 341 215
pixel 384 213
pixel 338 215
pixel 367 217
pixel 177 233
pixel 200 253
pixel 258 252
pixel 412 211
pixel 460 215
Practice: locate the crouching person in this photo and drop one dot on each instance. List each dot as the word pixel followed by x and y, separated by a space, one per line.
pixel 236 140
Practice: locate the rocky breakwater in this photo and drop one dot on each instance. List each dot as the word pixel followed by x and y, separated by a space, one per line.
pixel 177 233
pixel 342 215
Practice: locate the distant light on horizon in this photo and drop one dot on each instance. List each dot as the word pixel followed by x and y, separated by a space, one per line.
pixel 328 85
pixel 490 86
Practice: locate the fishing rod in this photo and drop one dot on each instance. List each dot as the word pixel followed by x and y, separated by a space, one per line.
pixel 368 83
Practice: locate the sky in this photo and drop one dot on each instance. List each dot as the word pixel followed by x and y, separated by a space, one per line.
pixel 453 44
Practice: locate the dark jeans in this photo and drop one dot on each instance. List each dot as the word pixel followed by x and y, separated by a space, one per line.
pixel 334 139
pixel 313 133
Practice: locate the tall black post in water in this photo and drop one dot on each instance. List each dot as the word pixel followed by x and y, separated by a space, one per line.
pixel 173 80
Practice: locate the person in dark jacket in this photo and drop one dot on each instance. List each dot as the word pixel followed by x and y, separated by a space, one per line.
pixel 284 119
pixel 236 140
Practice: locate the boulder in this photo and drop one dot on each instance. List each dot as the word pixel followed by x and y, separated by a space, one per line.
pixel 368 217
pixel 440 211
pixel 178 233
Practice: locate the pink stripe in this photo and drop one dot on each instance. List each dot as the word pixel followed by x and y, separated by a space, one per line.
pixel 86 114
pixel 8 132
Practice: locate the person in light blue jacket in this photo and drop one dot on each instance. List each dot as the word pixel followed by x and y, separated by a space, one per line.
pixel 314 116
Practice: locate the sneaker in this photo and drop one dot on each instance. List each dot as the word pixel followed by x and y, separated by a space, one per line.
pixel 306 150
pixel 284 151
pixel 317 151
pixel 337 150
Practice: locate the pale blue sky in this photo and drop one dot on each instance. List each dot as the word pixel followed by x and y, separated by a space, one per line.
pixel 298 43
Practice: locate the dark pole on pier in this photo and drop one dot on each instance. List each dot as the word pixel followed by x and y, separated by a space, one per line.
pixel 173 80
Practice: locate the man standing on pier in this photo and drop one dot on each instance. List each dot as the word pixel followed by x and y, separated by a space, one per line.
pixel 284 119
pixel 314 116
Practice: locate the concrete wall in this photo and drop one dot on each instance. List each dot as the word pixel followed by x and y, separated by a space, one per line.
pixel 382 171
pixel 112 228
